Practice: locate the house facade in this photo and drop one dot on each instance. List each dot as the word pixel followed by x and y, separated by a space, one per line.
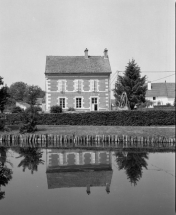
pixel 79 82
pixel 161 93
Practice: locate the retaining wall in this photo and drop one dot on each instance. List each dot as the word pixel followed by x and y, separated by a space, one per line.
pixel 97 141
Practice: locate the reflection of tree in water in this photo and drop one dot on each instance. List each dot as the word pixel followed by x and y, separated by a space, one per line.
pixel 5 172
pixel 32 158
pixel 133 163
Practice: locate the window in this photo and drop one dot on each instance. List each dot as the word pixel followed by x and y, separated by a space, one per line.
pixel 78 102
pixel 154 98
pixel 62 86
pixel 94 85
pixel 62 102
pixel 78 85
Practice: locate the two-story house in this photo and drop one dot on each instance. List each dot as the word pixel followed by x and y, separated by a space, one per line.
pixel 81 82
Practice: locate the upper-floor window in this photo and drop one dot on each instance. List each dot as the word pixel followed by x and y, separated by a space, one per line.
pixel 62 86
pixel 154 98
pixel 78 85
pixel 94 85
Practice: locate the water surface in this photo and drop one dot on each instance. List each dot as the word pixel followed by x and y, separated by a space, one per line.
pixel 52 181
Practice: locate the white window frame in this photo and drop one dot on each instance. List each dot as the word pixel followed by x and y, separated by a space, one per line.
pixel 65 102
pixel 78 85
pixel 94 85
pixel 62 85
pixel 76 102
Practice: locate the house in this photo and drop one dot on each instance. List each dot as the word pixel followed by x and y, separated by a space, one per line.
pixel 81 82
pixel 161 93
pixel 78 168
pixel 22 105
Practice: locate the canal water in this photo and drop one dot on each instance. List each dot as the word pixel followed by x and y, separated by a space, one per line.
pixel 55 181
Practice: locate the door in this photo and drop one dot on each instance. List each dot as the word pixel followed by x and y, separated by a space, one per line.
pixel 94 104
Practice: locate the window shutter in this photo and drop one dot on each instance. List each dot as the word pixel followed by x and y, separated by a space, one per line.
pixel 76 85
pixel 96 85
pixel 91 85
pixel 60 85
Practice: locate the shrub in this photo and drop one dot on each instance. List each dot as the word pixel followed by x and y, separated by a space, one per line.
pixel 2 124
pixel 56 109
pixel 17 110
pixel 168 105
pixel 71 109
pixel 115 118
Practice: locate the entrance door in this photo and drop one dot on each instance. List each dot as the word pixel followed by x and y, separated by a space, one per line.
pixel 94 104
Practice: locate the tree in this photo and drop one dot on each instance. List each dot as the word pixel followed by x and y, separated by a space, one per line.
pixel 133 164
pixel 17 91
pixel 32 93
pixel 4 95
pixel 133 84
pixel 31 158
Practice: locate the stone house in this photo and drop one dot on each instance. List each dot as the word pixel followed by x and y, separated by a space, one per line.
pixel 81 82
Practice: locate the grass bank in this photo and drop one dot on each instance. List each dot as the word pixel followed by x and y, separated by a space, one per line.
pixel 167 131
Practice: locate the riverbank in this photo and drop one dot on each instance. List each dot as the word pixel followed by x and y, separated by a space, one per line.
pixel 145 131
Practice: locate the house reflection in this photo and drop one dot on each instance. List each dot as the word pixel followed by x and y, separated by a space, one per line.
pixel 79 168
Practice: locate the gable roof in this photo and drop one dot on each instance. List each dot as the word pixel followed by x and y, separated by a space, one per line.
pixel 77 64
pixel 24 104
pixel 162 90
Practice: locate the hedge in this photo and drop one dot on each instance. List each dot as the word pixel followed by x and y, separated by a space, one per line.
pixel 115 118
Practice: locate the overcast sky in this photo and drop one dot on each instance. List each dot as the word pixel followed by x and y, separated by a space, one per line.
pixel 32 29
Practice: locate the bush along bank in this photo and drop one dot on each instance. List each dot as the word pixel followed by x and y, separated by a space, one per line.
pixel 114 118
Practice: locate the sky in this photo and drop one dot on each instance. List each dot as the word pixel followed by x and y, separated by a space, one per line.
pixel 30 30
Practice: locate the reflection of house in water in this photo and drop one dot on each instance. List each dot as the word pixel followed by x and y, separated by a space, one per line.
pixel 79 168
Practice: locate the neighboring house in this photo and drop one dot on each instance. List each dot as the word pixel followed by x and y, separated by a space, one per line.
pixel 22 105
pixel 161 93
pixel 81 82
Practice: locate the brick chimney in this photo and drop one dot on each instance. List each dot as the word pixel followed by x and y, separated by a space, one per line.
pixel 105 54
pixel 86 53
pixel 149 85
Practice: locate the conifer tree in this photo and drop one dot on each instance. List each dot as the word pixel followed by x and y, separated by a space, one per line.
pixel 133 84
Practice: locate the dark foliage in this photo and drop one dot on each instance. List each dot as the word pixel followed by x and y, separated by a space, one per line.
pixel 17 110
pixel 133 163
pixel 56 109
pixel 4 95
pixel 133 84
pixel 2 124
pixel 5 172
pixel 71 109
pixel 17 91
pixel 31 158
pixel 116 118
pixel 29 117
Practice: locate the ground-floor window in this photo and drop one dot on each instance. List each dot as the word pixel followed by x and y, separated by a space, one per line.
pixel 62 102
pixel 78 102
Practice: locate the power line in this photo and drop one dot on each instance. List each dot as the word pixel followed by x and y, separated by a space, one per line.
pixel 162 78
pixel 152 71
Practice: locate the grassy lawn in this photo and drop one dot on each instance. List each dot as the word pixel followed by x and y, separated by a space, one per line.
pixel 167 131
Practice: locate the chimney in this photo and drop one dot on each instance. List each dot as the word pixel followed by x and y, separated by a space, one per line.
pixel 105 54
pixel 86 53
pixel 149 85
